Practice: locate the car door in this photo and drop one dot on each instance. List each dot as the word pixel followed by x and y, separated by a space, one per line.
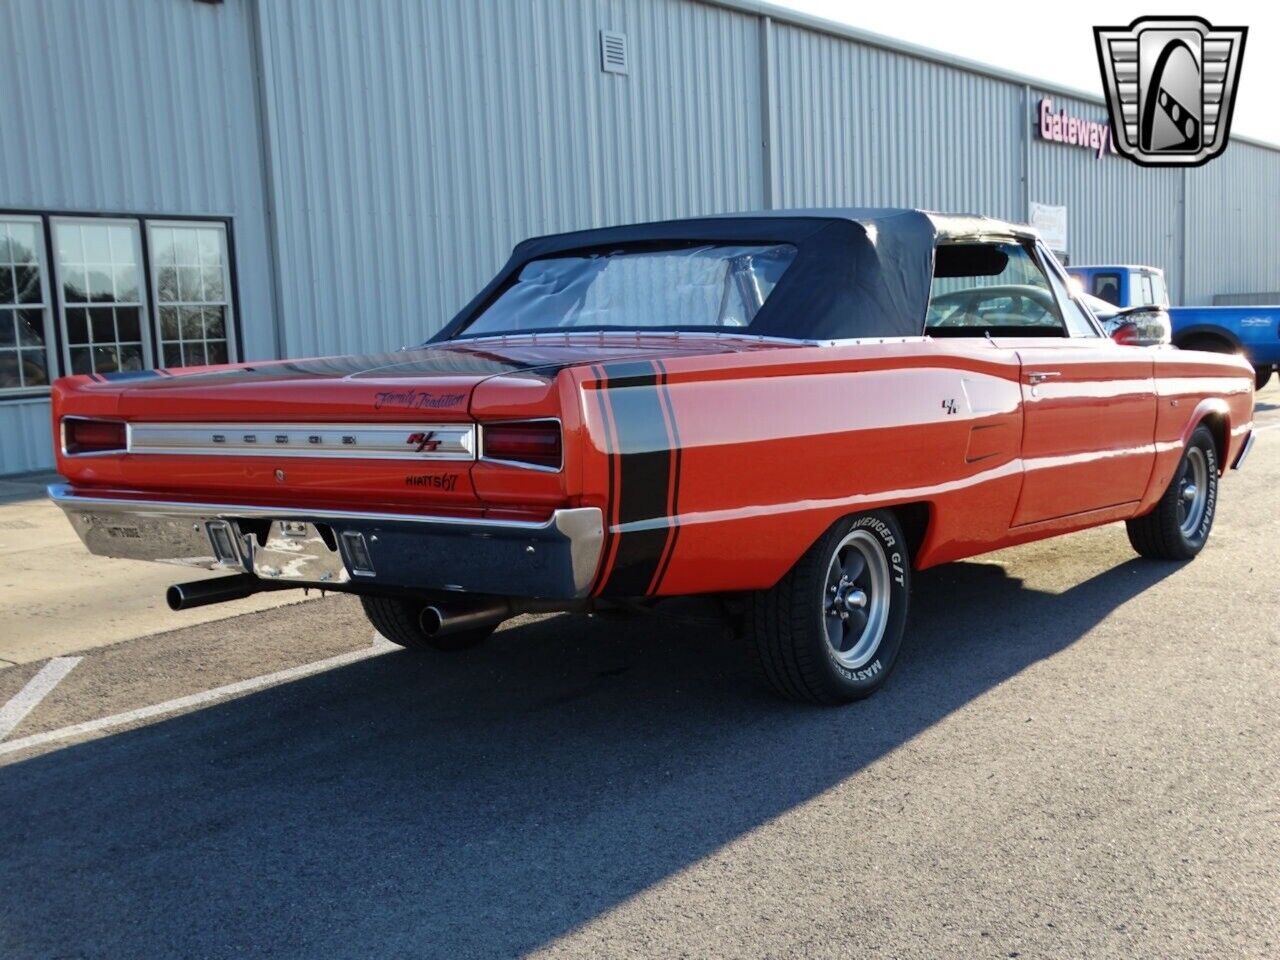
pixel 1089 412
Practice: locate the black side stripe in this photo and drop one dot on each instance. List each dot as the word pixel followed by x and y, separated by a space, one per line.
pixel 606 551
pixel 673 506
pixel 645 459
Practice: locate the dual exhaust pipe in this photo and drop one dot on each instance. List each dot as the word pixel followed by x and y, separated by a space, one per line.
pixel 441 620
pixel 436 619
pixel 202 593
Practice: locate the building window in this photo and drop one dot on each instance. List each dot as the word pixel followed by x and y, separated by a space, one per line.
pixel 191 286
pixel 98 265
pixel 26 338
pixel 93 294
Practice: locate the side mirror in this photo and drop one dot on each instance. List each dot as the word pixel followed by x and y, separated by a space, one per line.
pixel 1140 327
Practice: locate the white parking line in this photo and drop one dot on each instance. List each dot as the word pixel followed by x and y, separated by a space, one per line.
pixel 37 688
pixel 380 646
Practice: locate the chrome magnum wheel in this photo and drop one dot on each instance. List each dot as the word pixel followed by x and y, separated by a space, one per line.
pixel 1178 526
pixel 831 629
pixel 857 605
pixel 1193 490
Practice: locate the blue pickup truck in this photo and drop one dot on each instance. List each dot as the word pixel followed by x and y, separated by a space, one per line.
pixel 1252 331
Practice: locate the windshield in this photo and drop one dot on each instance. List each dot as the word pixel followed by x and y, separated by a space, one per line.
pixel 714 285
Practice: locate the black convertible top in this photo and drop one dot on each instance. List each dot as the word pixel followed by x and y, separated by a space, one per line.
pixel 858 272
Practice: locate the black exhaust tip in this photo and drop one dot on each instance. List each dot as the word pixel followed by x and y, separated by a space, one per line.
pixel 202 593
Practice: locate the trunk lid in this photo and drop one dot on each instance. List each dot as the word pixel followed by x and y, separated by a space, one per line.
pixel 379 430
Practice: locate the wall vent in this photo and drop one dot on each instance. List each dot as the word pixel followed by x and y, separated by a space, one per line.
pixel 613 52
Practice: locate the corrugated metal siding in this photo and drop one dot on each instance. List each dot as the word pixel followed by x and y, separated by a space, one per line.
pixel 119 106
pixel 1234 241
pixel 1117 211
pixel 416 143
pixel 26 437
pixel 858 125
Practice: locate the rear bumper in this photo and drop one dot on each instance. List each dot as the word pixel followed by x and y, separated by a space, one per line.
pixel 555 559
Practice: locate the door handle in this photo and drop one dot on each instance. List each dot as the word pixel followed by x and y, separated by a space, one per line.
pixel 1040 376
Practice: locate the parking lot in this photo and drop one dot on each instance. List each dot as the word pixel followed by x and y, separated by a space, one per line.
pixel 1079 755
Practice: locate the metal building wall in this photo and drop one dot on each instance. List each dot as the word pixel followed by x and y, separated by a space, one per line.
pixel 861 126
pixel 1234 238
pixel 413 144
pixel 116 106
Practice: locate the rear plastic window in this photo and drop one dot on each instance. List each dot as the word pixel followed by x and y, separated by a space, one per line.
pixel 704 286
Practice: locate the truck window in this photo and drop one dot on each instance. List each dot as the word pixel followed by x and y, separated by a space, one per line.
pixel 1159 292
pixel 1106 286
pixel 1144 295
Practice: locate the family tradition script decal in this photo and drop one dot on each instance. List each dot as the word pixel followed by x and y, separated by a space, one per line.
pixel 416 399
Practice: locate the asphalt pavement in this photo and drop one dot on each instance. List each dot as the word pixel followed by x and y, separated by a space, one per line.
pixel 1078 756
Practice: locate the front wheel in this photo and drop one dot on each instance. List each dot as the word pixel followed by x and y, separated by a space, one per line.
pixel 1260 376
pixel 831 629
pixel 1179 526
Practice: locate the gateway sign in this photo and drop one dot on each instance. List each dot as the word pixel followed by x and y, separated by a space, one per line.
pixel 1062 127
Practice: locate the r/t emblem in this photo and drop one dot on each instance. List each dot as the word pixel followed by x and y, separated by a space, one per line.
pixel 950 407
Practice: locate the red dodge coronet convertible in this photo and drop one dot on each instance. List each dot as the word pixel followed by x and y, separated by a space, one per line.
pixel 790 412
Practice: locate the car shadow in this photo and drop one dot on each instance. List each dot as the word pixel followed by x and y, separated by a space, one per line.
pixel 476 806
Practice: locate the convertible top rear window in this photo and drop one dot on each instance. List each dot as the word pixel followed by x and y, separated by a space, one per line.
pixel 709 285
pixel 804 275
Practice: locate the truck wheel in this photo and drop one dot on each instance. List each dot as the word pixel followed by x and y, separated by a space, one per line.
pixel 831 629
pixel 1180 523
pixel 1261 375
pixel 397 619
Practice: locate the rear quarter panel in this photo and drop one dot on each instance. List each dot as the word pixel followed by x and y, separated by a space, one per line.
pixel 717 473
pixel 1191 387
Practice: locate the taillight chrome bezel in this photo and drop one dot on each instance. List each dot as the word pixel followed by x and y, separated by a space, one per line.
pixel 482 457
pixel 113 452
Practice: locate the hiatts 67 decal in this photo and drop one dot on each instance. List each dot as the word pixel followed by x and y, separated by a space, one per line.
pixel 436 481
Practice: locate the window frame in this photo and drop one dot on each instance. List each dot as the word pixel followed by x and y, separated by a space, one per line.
pixel 1034 251
pixel 51 329
pixel 232 326
pixel 1060 285
pixel 148 353
pixel 54 318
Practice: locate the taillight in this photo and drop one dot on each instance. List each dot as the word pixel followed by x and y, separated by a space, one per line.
pixel 536 442
pixel 92 436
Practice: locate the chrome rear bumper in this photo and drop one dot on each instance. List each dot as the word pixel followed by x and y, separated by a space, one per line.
pixel 555 559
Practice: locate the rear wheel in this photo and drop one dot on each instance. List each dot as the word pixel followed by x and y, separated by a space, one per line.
pixel 399 620
pixel 1179 526
pixel 831 629
pixel 1261 375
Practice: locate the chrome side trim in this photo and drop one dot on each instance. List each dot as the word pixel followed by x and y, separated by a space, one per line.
pixel 354 441
pixel 1244 451
pixel 556 558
